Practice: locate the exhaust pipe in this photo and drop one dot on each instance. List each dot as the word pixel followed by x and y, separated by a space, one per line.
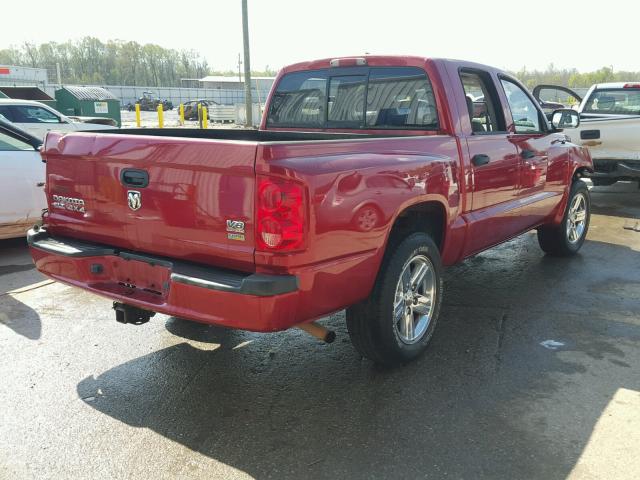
pixel 316 330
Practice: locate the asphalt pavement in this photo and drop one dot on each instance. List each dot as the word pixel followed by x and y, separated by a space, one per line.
pixel 533 373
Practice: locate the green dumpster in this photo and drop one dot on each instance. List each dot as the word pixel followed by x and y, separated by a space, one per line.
pixel 88 102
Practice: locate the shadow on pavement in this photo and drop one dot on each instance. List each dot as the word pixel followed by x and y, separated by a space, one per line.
pixel 17 271
pixel 621 199
pixel 16 266
pixel 199 332
pixel 20 318
pixel 487 400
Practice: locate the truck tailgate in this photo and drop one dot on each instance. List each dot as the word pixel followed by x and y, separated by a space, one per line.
pixel 185 198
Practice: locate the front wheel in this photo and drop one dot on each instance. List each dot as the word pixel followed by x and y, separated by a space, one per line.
pixel 567 238
pixel 396 323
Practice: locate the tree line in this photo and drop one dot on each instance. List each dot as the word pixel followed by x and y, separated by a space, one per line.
pixel 572 78
pixel 117 62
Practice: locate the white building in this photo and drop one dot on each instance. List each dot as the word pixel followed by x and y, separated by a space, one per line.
pixel 234 83
pixel 13 75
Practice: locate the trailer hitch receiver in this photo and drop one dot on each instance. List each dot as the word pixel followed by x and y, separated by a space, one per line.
pixel 129 314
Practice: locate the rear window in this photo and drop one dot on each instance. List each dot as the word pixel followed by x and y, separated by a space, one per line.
pixel 623 101
pixel 345 105
pixel 380 98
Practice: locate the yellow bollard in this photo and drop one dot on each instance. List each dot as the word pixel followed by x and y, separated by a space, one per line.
pixel 138 115
pixel 160 116
pixel 205 120
pixel 181 114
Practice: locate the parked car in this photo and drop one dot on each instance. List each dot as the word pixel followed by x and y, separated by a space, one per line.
pixel 610 129
pixel 149 102
pixel 38 118
pixel 22 197
pixel 246 228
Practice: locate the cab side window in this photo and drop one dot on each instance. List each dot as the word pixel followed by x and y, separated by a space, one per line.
pixel 484 114
pixel 526 117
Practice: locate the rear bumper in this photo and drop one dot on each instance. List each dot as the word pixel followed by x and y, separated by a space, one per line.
pixel 247 301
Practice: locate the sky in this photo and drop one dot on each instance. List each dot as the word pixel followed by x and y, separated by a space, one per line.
pixel 509 35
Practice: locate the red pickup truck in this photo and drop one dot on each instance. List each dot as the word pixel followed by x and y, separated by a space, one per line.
pixel 367 176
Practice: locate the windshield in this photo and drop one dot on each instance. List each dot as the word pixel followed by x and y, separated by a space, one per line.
pixel 623 101
pixel 377 98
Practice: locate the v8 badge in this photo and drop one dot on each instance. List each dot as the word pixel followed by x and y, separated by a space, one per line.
pixel 235 226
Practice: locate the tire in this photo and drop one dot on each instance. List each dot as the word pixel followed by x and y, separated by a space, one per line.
pixel 566 239
pixel 378 326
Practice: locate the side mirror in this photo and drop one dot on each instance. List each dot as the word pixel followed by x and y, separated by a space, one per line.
pixel 565 118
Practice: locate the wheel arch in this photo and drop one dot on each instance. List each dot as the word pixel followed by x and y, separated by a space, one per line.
pixel 428 216
pixel 580 172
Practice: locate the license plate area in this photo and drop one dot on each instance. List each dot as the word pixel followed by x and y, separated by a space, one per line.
pixel 146 281
pixel 141 275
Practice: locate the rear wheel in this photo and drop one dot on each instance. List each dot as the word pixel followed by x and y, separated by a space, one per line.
pixel 567 238
pixel 396 323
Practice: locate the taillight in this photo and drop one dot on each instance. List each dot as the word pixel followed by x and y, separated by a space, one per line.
pixel 631 85
pixel 280 217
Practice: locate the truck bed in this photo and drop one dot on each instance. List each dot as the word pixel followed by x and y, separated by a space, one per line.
pixel 248 135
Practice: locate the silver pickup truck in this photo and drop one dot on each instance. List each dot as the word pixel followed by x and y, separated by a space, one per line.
pixel 609 126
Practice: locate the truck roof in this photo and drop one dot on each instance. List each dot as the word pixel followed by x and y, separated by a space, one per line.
pixel 602 86
pixel 381 61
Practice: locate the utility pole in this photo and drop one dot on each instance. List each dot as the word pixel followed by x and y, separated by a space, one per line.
pixel 58 75
pixel 247 65
pixel 239 66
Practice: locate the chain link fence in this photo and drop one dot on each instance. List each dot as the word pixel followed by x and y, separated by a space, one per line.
pixel 177 95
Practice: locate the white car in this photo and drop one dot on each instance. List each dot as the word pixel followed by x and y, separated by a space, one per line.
pixel 609 128
pixel 38 118
pixel 22 175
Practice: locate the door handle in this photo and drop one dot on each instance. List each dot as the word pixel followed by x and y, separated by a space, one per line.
pixel 590 135
pixel 527 154
pixel 134 178
pixel 480 159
